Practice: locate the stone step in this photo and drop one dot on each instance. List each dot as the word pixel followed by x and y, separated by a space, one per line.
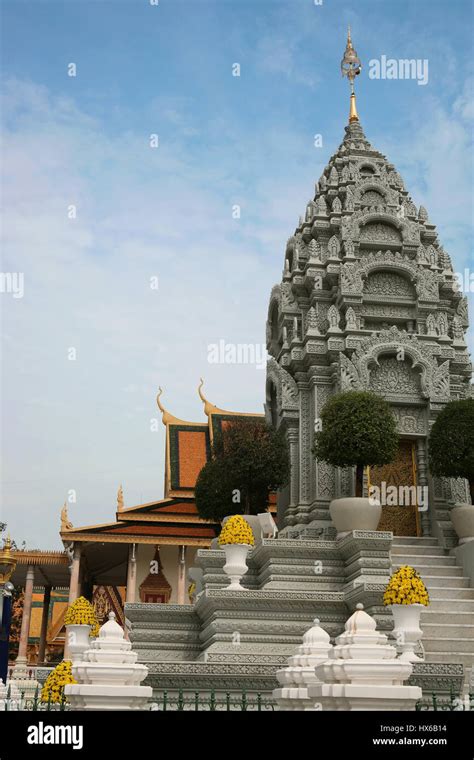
pixel 415 541
pixel 427 571
pixel 426 559
pixel 460 658
pixel 447 644
pixel 429 617
pixel 405 549
pixel 442 581
pixel 439 591
pixel 451 606
pixel 448 629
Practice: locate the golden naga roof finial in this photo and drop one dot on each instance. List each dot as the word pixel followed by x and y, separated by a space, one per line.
pixel 208 407
pixel 350 68
pixel 66 524
pixel 166 416
pixel 162 409
pixel 120 498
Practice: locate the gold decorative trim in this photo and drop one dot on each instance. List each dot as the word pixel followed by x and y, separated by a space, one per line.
pixel 36 557
pixel 170 517
pixel 133 539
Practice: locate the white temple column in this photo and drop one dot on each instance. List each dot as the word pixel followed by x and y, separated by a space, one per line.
pixel 75 574
pixel 181 574
pixel 131 574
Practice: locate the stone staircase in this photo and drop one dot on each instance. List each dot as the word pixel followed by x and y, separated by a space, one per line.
pixel 448 622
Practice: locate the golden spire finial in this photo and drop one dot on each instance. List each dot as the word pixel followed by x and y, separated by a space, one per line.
pixel 120 498
pixel 66 524
pixel 350 68
pixel 7 561
pixel 349 39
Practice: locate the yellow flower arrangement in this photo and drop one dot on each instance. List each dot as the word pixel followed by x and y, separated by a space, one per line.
pixel 81 612
pixel 53 687
pixel 236 531
pixel 406 587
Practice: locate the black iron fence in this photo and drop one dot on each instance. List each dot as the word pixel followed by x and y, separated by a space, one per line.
pixel 20 700
pixel 452 703
pixel 209 701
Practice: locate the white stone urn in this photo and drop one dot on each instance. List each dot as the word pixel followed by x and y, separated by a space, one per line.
pixel 462 517
pixel 354 513
pixel 235 564
pixel 407 631
pixel 77 641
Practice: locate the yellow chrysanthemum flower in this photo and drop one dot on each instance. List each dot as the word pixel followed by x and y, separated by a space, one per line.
pixel 236 531
pixel 53 687
pixel 406 587
pixel 81 612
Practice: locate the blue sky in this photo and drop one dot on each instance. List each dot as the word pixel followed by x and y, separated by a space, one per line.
pixel 87 425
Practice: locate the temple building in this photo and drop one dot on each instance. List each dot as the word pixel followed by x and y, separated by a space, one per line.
pixel 142 555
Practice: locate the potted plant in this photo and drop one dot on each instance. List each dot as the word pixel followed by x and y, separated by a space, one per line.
pixel 358 429
pixel 53 687
pixel 451 455
pixel 406 595
pixel 236 538
pixel 81 623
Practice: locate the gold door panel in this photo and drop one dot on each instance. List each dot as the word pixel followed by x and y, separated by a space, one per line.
pixel 402 520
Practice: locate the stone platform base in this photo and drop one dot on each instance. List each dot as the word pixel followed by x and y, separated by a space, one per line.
pixel 100 697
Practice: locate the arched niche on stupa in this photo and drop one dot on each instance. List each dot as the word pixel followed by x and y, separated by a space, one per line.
pixel 274 342
pixel 372 197
pixel 389 283
pixel 379 231
pixel 393 376
pixel 367 169
pixel 405 355
pixel 384 228
pixel 272 402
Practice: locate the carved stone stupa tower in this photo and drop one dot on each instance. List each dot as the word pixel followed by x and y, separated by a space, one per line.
pixel 368 300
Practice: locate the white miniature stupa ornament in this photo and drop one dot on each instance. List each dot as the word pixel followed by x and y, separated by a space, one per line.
pixel 363 672
pixel 300 671
pixel 109 676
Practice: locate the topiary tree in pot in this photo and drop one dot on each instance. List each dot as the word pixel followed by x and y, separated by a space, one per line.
pixel 358 429
pixel 249 460
pixel 451 455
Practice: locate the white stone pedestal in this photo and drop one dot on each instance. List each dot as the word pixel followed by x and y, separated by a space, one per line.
pixel 108 676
